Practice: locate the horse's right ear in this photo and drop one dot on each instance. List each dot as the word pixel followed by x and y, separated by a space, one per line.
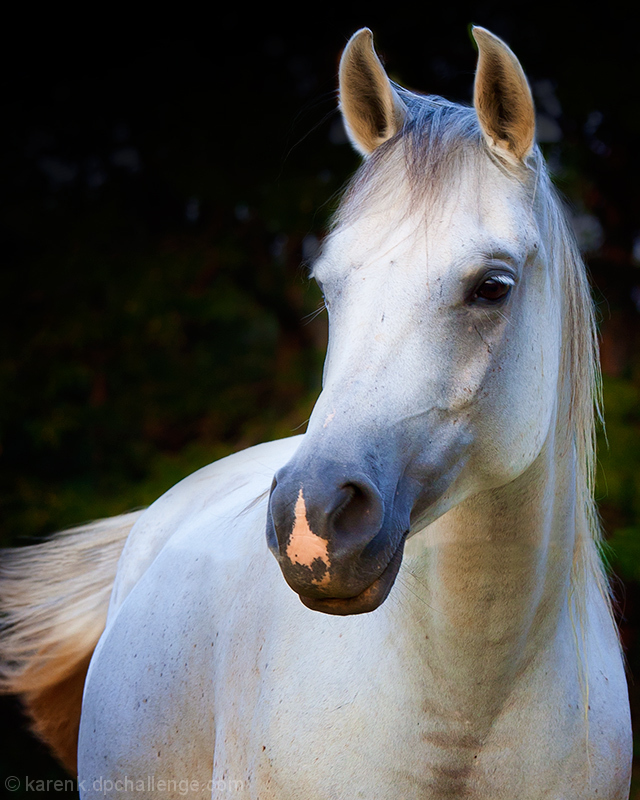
pixel 372 109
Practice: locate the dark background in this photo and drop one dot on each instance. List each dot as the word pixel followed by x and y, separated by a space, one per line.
pixel 164 182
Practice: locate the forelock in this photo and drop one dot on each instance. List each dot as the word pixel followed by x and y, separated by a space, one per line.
pixel 422 161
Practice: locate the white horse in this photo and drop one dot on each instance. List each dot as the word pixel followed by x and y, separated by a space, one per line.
pixel 443 486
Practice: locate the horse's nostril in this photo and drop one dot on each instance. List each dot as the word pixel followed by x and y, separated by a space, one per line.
pixel 361 510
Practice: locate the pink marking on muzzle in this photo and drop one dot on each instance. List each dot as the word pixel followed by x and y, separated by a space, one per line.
pixel 305 547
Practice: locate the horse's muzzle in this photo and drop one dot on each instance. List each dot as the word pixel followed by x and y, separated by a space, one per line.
pixel 334 536
pixel 368 600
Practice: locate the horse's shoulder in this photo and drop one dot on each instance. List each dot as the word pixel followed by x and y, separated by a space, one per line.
pixel 214 497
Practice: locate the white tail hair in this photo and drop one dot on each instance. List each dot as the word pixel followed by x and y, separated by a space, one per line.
pixel 54 598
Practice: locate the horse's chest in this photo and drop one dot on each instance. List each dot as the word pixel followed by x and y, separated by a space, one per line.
pixel 319 712
pixel 309 719
pixel 266 697
pixel 314 744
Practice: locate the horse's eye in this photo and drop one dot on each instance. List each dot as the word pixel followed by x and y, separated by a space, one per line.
pixel 495 288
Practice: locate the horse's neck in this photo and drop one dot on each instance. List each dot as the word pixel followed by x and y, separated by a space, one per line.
pixel 493 574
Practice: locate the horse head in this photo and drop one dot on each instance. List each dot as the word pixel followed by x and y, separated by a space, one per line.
pixel 441 376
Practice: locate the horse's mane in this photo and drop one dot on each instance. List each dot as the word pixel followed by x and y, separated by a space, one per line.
pixel 438 141
pixel 580 369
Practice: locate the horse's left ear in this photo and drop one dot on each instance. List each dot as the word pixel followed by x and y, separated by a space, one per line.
pixel 502 99
pixel 371 108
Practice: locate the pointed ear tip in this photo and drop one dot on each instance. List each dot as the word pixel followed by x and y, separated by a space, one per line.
pixel 362 33
pixel 360 42
pixel 483 35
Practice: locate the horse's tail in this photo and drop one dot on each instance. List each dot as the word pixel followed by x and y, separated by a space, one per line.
pixel 54 597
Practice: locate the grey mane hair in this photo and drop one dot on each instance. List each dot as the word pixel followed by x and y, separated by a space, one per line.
pixel 438 139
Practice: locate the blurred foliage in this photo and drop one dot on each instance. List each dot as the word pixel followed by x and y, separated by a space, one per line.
pixel 163 188
pixel 618 487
